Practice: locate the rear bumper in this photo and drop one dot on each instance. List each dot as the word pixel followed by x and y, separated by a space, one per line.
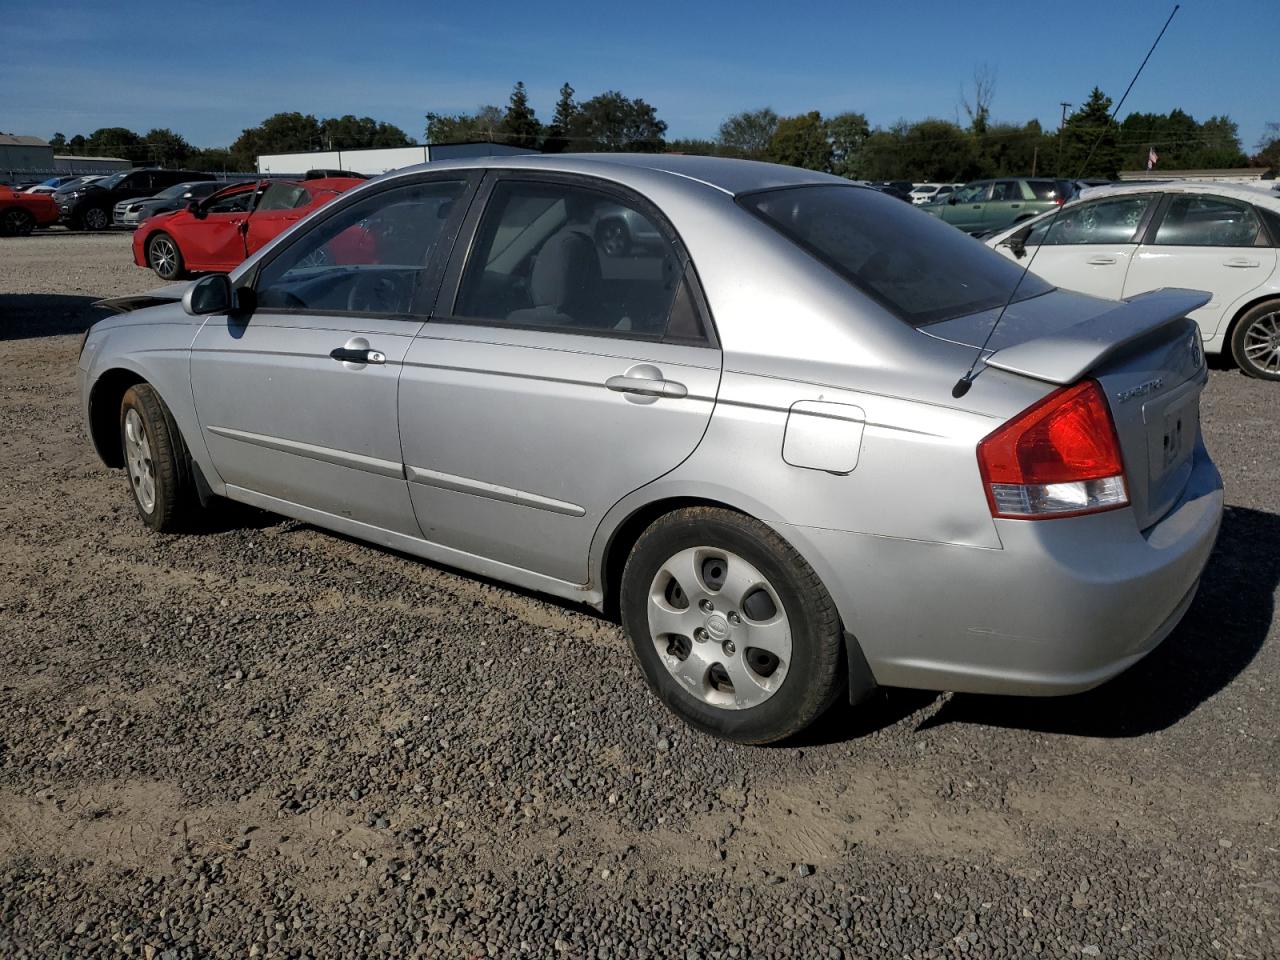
pixel 1063 606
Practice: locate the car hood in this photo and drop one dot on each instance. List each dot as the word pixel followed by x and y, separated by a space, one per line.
pixel 169 293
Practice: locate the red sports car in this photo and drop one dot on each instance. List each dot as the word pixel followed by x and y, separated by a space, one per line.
pixel 20 213
pixel 215 234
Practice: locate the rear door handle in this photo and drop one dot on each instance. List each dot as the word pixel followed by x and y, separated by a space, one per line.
pixel 1100 261
pixel 1239 262
pixel 644 383
pixel 1014 206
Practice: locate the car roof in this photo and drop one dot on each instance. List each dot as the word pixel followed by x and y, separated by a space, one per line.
pixel 720 173
pixel 1240 191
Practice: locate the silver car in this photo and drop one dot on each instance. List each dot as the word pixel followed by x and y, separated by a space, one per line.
pixel 751 442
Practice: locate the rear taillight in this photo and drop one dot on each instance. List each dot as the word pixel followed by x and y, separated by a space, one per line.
pixel 1058 458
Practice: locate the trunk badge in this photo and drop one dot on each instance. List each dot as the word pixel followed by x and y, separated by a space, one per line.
pixel 1141 390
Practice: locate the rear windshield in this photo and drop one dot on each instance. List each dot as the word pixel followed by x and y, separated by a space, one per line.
pixel 920 268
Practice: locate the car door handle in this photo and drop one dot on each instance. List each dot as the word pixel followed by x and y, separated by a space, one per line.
pixel 646 381
pixel 1239 262
pixel 357 355
pixel 1100 261
pixel 1014 206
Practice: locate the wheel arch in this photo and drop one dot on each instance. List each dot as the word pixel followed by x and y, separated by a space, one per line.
pixel 104 412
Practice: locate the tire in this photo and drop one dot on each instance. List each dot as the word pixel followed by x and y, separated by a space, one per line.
pixel 756 707
pixel 95 218
pixel 156 462
pixel 1255 343
pixel 164 257
pixel 16 222
pixel 613 237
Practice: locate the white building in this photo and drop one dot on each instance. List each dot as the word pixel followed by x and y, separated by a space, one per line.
pixel 376 161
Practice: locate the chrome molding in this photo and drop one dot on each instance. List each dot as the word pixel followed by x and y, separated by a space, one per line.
pixel 341 458
pixel 491 491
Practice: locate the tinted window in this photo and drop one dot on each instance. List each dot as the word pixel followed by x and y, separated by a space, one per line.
pixel 284 196
pixel 552 255
pixel 1208 222
pixel 1045 189
pixel 369 258
pixel 1114 220
pixel 920 268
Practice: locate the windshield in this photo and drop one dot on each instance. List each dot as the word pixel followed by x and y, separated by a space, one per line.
pixel 920 268
pixel 177 190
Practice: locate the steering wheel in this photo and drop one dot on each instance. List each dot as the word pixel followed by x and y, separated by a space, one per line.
pixel 374 293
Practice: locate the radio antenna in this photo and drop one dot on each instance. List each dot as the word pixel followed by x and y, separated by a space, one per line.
pixel 965 382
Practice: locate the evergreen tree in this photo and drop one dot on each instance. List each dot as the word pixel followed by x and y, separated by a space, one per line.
pixel 1089 143
pixel 520 127
pixel 563 125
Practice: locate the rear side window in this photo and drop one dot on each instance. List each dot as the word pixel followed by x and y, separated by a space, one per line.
pixel 284 196
pixel 1007 190
pixel 1045 189
pixel 921 269
pixel 1191 221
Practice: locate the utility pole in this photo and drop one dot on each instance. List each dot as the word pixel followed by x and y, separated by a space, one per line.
pixel 1062 124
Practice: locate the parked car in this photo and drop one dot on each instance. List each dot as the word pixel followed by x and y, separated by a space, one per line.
pixel 22 212
pixel 893 191
pixel 218 232
pixel 49 186
pixel 986 205
pixel 130 213
pixel 1127 240
pixel 89 206
pixel 925 192
pixel 747 442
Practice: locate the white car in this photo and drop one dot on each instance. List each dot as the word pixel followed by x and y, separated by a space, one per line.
pixel 929 192
pixel 1117 242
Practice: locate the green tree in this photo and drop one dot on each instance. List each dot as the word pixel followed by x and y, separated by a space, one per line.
pixel 520 126
pixel 360 133
pixel 58 141
pixel 801 141
pixel 694 147
pixel 165 148
pixel 77 144
pixel 611 122
pixel 115 142
pixel 484 124
pixel 1268 154
pixel 218 160
pixel 563 123
pixel 847 133
pixel 928 150
pixel 279 133
pixel 747 134
pixel 1089 143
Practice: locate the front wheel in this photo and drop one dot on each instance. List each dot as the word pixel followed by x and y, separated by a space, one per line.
pixel 96 218
pixel 731 627
pixel 164 257
pixel 1255 344
pixel 155 461
pixel 16 222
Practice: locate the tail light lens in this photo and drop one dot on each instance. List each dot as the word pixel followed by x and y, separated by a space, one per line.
pixel 1058 458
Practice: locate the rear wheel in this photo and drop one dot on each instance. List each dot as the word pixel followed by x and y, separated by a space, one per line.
pixel 156 461
pixel 164 257
pixel 96 218
pixel 16 222
pixel 1255 344
pixel 732 628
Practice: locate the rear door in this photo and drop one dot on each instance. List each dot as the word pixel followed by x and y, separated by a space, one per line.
pixel 1088 247
pixel 297 401
pixel 560 372
pixel 1009 201
pixel 1204 242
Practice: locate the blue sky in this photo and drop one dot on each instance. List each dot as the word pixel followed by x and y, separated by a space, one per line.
pixel 73 67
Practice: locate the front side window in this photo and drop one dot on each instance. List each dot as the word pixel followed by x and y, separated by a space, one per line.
pixel 1114 220
pixel 976 193
pixel 240 201
pixel 284 196
pixel 368 259
pixel 918 267
pixel 567 257
pixel 1192 221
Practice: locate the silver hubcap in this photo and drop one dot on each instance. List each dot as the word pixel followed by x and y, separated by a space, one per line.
pixel 137 453
pixel 164 258
pixel 95 219
pixel 1262 343
pixel 719 628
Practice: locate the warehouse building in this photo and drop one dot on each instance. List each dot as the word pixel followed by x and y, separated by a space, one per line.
pixel 376 161
pixel 25 160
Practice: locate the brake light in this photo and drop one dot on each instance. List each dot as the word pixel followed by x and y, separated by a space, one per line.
pixel 1058 458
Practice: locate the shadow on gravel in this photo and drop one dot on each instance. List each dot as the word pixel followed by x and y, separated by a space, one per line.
pixel 27 315
pixel 1222 632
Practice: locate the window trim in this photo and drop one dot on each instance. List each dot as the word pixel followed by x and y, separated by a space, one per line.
pixel 465 245
pixel 1154 227
pixel 1136 238
pixel 428 287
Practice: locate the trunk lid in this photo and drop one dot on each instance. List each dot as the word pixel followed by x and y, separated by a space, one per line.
pixel 1145 354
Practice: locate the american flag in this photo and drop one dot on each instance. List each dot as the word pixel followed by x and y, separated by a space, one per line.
pixel 1152 157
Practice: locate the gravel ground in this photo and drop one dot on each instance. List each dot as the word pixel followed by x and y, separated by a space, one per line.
pixel 264 740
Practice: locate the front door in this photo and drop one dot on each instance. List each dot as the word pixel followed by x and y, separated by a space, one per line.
pixel 215 239
pixel 570 371
pixel 1088 247
pixel 969 208
pixel 297 400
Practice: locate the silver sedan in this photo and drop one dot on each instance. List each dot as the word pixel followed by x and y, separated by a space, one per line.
pixel 749 440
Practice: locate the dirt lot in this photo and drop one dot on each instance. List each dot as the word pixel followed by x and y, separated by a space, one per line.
pixel 266 740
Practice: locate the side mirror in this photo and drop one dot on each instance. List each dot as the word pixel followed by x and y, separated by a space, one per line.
pixel 194 208
pixel 209 294
pixel 1018 244
pixel 951 199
